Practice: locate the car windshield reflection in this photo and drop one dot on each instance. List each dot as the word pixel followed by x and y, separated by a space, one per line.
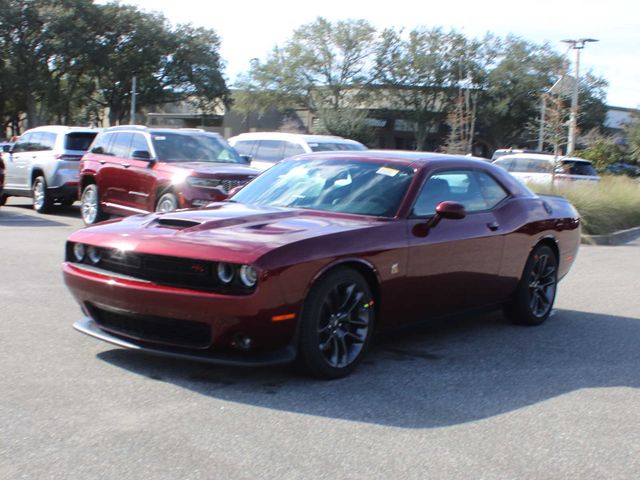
pixel 365 188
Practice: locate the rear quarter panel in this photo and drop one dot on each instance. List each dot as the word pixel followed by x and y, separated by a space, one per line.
pixel 527 222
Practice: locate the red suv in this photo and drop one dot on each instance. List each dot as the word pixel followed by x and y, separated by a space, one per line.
pixel 133 169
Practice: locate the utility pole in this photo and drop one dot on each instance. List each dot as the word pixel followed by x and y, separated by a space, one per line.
pixel 576 45
pixel 133 101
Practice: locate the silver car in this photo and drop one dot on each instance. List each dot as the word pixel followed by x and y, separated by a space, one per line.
pixel 43 164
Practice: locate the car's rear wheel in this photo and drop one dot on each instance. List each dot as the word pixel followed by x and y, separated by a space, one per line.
pixel 42 201
pixel 90 205
pixel 536 292
pixel 336 324
pixel 167 203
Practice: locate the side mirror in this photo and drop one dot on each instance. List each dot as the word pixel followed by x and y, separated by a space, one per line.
pixel 141 155
pixel 6 148
pixel 447 209
pixel 246 158
pixel 450 210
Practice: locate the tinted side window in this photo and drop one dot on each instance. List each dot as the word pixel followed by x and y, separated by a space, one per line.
pixel 292 149
pixel 101 144
pixel 477 191
pixel 244 147
pixel 139 143
pixel 22 143
pixel 491 191
pixel 506 163
pixel 47 141
pixel 34 143
pixel 121 144
pixel 269 151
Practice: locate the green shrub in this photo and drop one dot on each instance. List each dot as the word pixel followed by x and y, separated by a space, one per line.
pixel 611 205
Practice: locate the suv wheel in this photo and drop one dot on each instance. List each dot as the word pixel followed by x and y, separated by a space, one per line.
pixel 42 201
pixel 167 203
pixel 90 205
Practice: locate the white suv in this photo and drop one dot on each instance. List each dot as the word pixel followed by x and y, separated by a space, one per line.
pixel 539 168
pixel 43 164
pixel 264 149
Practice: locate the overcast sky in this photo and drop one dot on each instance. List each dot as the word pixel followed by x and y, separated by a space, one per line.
pixel 251 28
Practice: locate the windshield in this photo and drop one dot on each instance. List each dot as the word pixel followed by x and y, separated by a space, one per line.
pixel 578 168
pixel 336 185
pixel 184 147
pixel 335 146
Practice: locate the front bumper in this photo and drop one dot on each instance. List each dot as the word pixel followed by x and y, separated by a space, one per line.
pixel 182 321
pixel 247 359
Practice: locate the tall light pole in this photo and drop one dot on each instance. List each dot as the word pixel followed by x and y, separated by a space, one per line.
pixel 577 45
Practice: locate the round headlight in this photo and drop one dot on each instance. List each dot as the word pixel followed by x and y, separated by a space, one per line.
pixel 79 251
pixel 225 272
pixel 248 275
pixel 94 255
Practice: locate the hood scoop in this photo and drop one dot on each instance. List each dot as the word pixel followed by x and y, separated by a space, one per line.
pixel 177 223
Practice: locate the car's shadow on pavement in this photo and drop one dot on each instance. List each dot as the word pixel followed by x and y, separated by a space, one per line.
pixel 462 371
pixel 11 217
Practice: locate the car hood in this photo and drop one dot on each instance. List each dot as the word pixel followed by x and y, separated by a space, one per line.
pixel 206 169
pixel 223 231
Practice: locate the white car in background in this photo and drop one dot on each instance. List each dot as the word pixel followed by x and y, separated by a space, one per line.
pixel 264 149
pixel 539 168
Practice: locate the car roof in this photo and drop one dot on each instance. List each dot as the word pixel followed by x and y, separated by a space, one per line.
pixel 400 157
pixel 290 136
pixel 156 130
pixel 541 156
pixel 63 129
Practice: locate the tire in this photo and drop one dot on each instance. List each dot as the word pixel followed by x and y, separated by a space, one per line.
pixel 167 203
pixel 336 324
pixel 533 301
pixel 42 201
pixel 90 205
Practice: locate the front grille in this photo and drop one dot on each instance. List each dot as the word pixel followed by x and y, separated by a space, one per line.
pixel 229 184
pixel 181 333
pixel 163 270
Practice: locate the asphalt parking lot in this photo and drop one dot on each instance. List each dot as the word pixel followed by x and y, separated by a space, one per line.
pixel 472 398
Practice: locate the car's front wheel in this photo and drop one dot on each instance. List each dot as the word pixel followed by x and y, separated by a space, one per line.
pixel 42 201
pixel 336 324
pixel 90 205
pixel 167 203
pixel 536 292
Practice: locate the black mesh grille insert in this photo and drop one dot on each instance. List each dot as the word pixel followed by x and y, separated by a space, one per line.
pixel 182 333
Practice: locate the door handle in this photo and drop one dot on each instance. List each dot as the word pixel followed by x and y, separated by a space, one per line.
pixel 493 226
pixel 102 162
pixel 125 165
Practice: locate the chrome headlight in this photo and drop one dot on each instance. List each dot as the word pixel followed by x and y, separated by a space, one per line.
pixel 225 272
pixel 79 251
pixel 248 275
pixel 94 255
pixel 203 182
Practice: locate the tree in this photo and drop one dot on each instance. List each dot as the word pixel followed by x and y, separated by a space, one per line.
pixel 424 71
pixel 521 72
pixel 323 67
pixel 632 132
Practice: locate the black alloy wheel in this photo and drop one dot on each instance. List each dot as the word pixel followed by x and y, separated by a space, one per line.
pixel 536 292
pixel 336 324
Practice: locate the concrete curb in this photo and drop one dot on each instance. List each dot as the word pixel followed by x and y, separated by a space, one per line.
pixel 616 238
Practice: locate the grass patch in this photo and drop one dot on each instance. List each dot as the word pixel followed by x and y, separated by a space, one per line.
pixel 613 204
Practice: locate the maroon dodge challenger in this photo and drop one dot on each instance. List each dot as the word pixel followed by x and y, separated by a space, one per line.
pixel 311 257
